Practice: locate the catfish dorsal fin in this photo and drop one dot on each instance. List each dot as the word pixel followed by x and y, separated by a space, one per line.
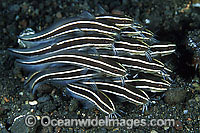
pixel 86 15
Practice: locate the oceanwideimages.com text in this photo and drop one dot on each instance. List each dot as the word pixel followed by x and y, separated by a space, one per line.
pixel 45 121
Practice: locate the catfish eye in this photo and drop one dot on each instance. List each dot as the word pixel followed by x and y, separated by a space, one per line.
pixel 138 48
pixel 170 48
pixel 116 71
pixel 160 85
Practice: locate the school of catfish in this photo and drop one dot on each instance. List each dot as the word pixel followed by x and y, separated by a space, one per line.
pixel 93 56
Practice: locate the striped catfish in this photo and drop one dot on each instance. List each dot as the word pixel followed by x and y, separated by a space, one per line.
pixel 50 30
pixel 63 75
pixel 123 22
pixel 66 43
pixel 104 65
pixel 128 26
pixel 139 63
pixel 128 92
pixel 147 82
pixel 162 48
pixel 149 85
pixel 96 97
pixel 119 21
pixel 131 46
pixel 75 26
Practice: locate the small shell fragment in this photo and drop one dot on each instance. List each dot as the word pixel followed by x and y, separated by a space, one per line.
pixel 33 102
